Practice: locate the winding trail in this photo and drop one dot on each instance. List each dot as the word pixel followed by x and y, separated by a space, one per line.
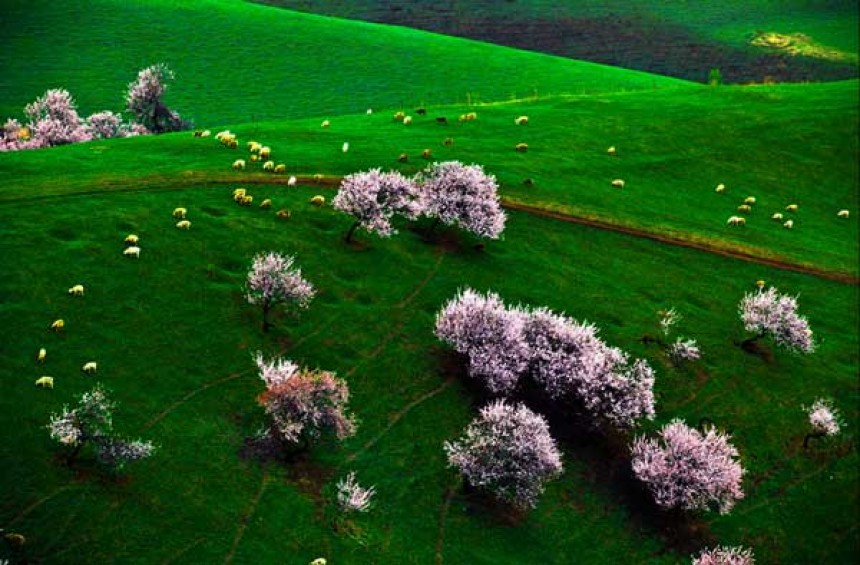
pixel 443 517
pixel 243 522
pixel 41 501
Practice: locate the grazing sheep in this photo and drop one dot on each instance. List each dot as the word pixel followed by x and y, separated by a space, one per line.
pixel 843 214
pixel 325 123
pixel 427 154
pixel 777 217
pixel 737 221
pixel 238 193
pixel 471 116
pixel 131 239
pixel 318 200
pixel 77 290
pixel 522 147
pixel 283 214
pixel 205 133
pixel 750 200
pixel 369 111
pixel 403 157
pixel 421 111
pixel 291 181
pixel 611 151
pixel 521 121
pixel 407 120
pixel 198 133
pixel 184 225
pixel 179 213
pixel 760 283
pixel 618 183
pixel 345 146
pixel 448 141
pixel 89 367
pixel 222 134
pixel 238 164
pixel 791 208
pixel 265 152
pixel 744 209
pixel 246 200
pixel 319 561
pixel 254 157
pixel 720 188
pixel 442 120
pixel 17 541
pixel 233 144
pixel 254 146
pixel 58 325
pixel 45 382
pixel 133 251
pixel 788 224
pixel 269 166
pixel 266 204
pixel 41 356
pixel 279 169
pixel 398 116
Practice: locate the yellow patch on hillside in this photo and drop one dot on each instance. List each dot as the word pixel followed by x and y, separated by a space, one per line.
pixel 799 44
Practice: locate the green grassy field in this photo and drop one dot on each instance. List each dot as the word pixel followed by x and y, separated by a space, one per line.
pixel 174 337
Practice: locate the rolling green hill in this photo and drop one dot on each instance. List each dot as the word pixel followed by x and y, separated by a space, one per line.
pixel 174 337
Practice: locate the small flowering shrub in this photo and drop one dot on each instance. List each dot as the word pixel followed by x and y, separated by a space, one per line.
pixel 689 470
pixel 274 280
pixel 766 312
pixel 352 497
pixel 304 403
pixel 91 422
pixel 823 417
pixel 507 451
pixel 724 555
pixel 374 197
pixel 106 124
pixel 144 100
pixel 463 195
pixel 668 318
pixel 683 350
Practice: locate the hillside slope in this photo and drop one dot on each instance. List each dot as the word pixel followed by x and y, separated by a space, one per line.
pixel 240 62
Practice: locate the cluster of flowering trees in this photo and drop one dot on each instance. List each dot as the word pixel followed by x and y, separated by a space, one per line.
pixel 91 423
pixel 273 280
pixel 53 119
pixel 450 192
pixel 564 357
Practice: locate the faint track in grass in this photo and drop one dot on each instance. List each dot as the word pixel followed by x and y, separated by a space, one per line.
pixel 182 551
pixel 24 513
pixel 243 522
pixel 443 517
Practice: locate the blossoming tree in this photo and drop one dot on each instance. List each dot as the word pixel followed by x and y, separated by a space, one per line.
pixel 724 555
pixel 374 197
pixel 144 99
pixel 274 280
pixel 689 470
pixel 768 313
pixel 462 195
pixel 508 451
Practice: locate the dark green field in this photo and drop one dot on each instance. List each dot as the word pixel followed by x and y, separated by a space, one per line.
pixel 174 337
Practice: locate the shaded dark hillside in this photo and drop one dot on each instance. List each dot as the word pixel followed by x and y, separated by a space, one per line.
pixel 634 38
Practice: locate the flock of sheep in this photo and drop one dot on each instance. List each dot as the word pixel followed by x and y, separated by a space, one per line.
pixel 58 326
pixel 747 206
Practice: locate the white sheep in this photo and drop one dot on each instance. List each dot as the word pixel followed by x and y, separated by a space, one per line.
pixel 238 192
pixel 407 120
pixel 521 147
pixel 737 221
pixel 369 111
pixel 318 200
pixel 267 203
pixel 205 133
pixel 45 382
pixel 183 225
pixel 345 146
pixel 521 121
pixel 843 214
pixel 760 283
pixel 133 251
pixel 254 147
pixel 131 239
pixel 246 200
pixel 239 164
pixel 269 166
pixel 283 214
pixel 179 213
pixel 788 224
pixel 618 183
pixel 325 124
pixel 291 181
pixel 89 367
pixel 791 208
pixel 58 325
pixel 77 290
pixel 720 188
pixel 319 561
pixel 265 152
pixel 777 217
pixel 750 200
pixel 41 356
pixel 611 151
pixel 744 209
pixel 280 169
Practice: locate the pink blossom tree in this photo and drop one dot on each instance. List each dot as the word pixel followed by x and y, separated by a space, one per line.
pixel 462 195
pixel 144 100
pixel 91 423
pixel 274 280
pixel 489 334
pixel 689 470
pixel 107 124
pixel 374 197
pixel 303 403
pixel 768 313
pixel 724 555
pixel 54 120
pixel 824 419
pixel 508 451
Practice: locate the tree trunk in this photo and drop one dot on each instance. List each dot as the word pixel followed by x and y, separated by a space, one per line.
pixel 432 228
pixel 266 308
pixel 352 229
pixel 809 436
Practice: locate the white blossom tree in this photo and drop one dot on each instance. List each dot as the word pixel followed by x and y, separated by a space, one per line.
pixel 688 470
pixel 768 313
pixel 54 120
pixel 724 555
pixel 274 280
pixel 352 497
pixel 303 403
pixel 374 197
pixel 508 451
pixel 144 99
pixel 489 334
pixel 824 419
pixel 462 195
